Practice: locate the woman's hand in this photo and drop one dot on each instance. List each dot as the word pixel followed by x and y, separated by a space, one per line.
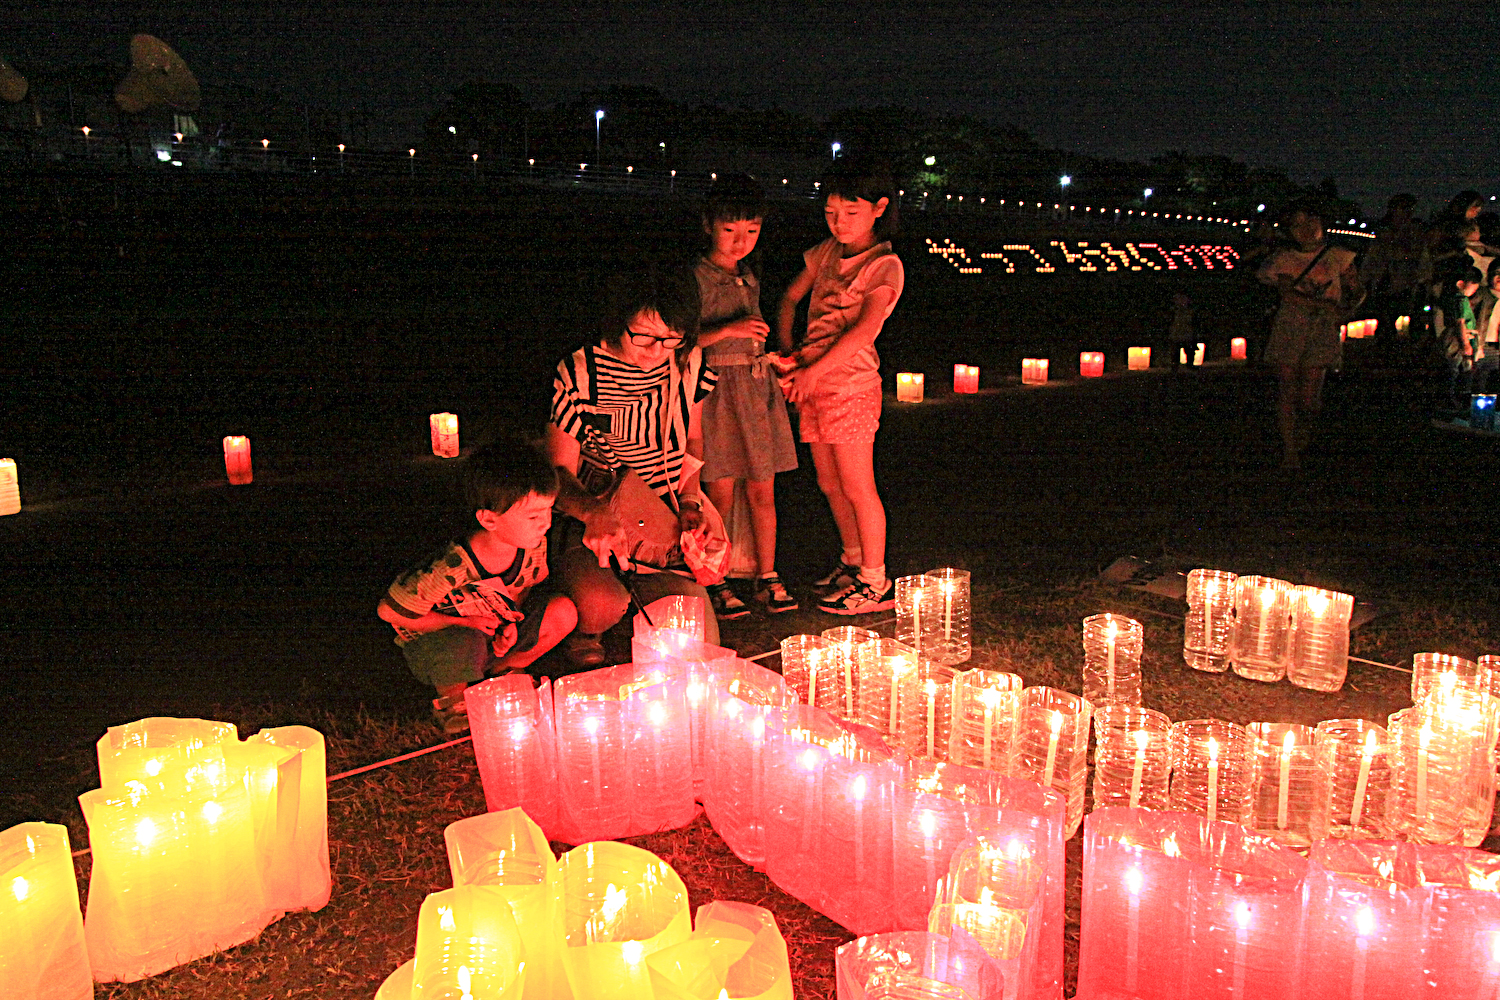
pixel 801 384
pixel 603 534
pixel 690 518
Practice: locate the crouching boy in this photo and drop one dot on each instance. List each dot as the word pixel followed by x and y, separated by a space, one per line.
pixel 479 608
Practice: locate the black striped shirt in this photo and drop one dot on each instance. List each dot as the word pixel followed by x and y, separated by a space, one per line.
pixel 620 416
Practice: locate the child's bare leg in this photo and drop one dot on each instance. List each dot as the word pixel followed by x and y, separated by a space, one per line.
pixel 560 618
pixel 856 474
pixel 720 493
pixel 843 511
pixel 762 495
pixel 1288 385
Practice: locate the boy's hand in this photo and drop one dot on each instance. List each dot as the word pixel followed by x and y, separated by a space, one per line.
pixel 505 639
pixel 484 623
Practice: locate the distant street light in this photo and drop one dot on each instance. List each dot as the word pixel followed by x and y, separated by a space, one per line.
pixel 598 117
pixel 1146 194
pixel 836 147
pixel 930 161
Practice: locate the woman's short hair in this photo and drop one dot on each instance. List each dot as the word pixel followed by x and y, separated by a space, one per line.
pixel 669 291
pixel 868 180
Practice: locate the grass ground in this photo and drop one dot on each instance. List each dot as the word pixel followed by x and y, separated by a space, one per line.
pixel 137 584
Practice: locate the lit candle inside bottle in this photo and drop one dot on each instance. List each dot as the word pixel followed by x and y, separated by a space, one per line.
pixel 1109 662
pixel 1141 740
pixel 1133 883
pixel 1363 781
pixel 592 725
pixel 931 716
pixel 1364 926
pixel 849 680
pixel 916 619
pixel 1423 741
pixel 810 762
pixel 1213 779
pixel 947 611
pixel 1262 641
pixel 1283 789
pixel 857 790
pixel 1057 721
pixel 988 697
pixel 812 677
pixel 898 663
pixel 1242 928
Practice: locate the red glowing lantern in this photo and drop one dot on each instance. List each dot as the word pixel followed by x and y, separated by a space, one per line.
pixel 1091 364
pixel 1033 371
pixel 1237 349
pixel 965 378
pixel 237 459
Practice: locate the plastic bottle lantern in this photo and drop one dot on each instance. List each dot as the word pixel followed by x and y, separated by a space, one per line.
pixel 1238 349
pixel 916 965
pixel 1365 920
pixel 619 905
pixel 507 853
pixel 795 765
pixel 741 720
pixel 1112 647
pixel 846 640
pixel 468 945
pixel 42 952
pixel 237 460
pixel 1403 325
pixel 1353 756
pixel 909 387
pixel 1132 757
pixel 1463 920
pixel 444 428
pixel 988 707
pixel 879 670
pixel 949 641
pixel 515 745
pixel 736 950
pixel 813 676
pixel 1213 770
pixel 1199 350
pixel 1091 364
pixel 1290 789
pixel 1033 371
pixel 915 617
pixel 965 378
pixel 854 841
pixel 10 489
pixel 1320 638
pixel 1262 628
pixel 1138 359
pixel 306 804
pixel 1052 741
pixel 1208 629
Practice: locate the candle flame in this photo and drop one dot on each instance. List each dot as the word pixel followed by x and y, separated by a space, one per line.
pixel 518 730
pixel 1364 921
pixel 990 697
pixel 1242 914
pixel 445 919
pixel 928 822
pixel 1134 880
pixel 1142 738
pixel 1267 595
pixel 1370 743
pixel 212 811
pixel 1317 602
pixel 1287 743
pixel 809 760
pixel 20 888
pixel 858 787
pixel 1495 947
pixel 1057 722
pixel 931 688
pixel 1213 749
pixel 465 982
pixel 1425 737
pixel 145 832
pixel 152 767
pixel 723 995
pixel 658 713
pixel 632 952
pixel 592 725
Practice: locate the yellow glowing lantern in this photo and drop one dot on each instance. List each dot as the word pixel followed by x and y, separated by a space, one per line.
pixel 1138 359
pixel 965 378
pixel 444 434
pixel 309 842
pixel 736 951
pixel 237 459
pixel 273 777
pixel 1237 349
pixel 10 487
pixel 1091 364
pixel 1033 371
pixel 909 387
pixel 42 953
pixel 1403 325
pixel 467 946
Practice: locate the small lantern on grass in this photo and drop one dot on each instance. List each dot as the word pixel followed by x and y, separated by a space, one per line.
pixel 1112 659
pixel 1052 743
pixel 42 952
pixel 1132 757
pixel 846 641
pixel 987 711
pixel 1209 627
pixel 1033 371
pixel 237 459
pixel 1291 800
pixel 1213 770
pixel 1091 364
pixel 1320 638
pixel 909 387
pixel 468 945
pixel 1138 359
pixel 1238 349
pixel 444 434
pixel 965 378
pixel 1262 628
pixel 950 639
pixel 10 487
pixel 1353 755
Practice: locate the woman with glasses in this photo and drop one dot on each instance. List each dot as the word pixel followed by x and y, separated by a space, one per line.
pixel 633 401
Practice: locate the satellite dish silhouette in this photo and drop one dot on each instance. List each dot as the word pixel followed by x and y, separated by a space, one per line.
pixel 158 77
pixel 13 85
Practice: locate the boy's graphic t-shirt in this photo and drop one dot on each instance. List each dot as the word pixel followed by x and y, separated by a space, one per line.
pixel 455 583
pixel 840 286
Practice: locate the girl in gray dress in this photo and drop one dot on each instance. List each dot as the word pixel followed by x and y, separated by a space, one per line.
pixel 746 433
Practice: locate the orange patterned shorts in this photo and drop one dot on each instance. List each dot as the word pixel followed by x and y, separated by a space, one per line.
pixel 846 418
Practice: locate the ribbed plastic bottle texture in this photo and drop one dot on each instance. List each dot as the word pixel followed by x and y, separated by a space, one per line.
pixel 794 761
pixel 987 710
pixel 811 666
pixel 924 723
pixel 1354 756
pixel 593 771
pixel 515 746
pixel 741 719
pixel 917 965
pixel 855 843
pixel 1112 647
pixel 846 641
pixel 1132 757
pixel 1052 745
pixel 880 668
pixel 467 945
pixel 1208 630
pixel 1431 776
pixel 1320 638
pixel 951 641
pixel 1213 770
pixel 1290 788
pixel 1262 628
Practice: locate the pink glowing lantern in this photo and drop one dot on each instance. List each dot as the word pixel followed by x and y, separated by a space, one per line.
pixel 10 490
pixel 1238 349
pixel 237 460
pixel 1138 359
pixel 1463 920
pixel 1033 371
pixel 42 951
pixel 444 428
pixel 507 854
pixel 965 378
pixel 678 611
pixel 619 905
pixel 740 720
pixel 736 950
pixel 515 745
pixel 916 965
pixel 1229 901
pixel 1091 364
pixel 855 843
pixel 1365 921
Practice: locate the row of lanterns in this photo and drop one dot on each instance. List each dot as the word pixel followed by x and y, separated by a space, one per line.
pixel 199 841
pixel 911 386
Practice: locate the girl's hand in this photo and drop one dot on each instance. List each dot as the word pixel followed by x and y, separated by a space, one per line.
pixel 752 327
pixel 800 384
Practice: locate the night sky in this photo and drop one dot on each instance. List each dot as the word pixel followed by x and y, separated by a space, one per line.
pixel 1382 97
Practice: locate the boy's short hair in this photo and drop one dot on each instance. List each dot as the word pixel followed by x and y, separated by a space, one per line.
pixel 670 292
pixel 502 473
pixel 734 198
pixel 869 180
pixel 1494 270
pixel 1468 275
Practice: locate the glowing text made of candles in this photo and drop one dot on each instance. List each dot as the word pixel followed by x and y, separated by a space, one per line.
pixel 1063 256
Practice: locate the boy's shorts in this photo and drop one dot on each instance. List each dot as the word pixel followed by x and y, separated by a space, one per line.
pixel 462 655
pixel 846 418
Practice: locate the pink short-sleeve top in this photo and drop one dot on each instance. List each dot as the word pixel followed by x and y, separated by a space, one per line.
pixel 840 286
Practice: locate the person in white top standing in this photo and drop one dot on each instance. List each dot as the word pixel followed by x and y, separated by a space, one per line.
pixel 1318 285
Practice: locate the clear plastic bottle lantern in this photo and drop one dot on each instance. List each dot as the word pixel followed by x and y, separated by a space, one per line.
pixel 1112 647
pixel 915 619
pixel 1262 628
pixel 987 710
pixel 813 675
pixel 468 945
pixel 1052 740
pixel 949 640
pixel 1353 755
pixel 1033 371
pixel 1320 638
pixel 1132 757
pixel 916 965
pixel 1290 787
pixel 1138 359
pixel 1208 631
pixel 880 668
pixel 444 427
pixel 1091 364
pixel 909 387
pixel 1213 770
pixel 1365 924
pixel 42 951
pixel 237 460
pixel 10 488
pixel 619 905
pixel 846 640
pixel 924 725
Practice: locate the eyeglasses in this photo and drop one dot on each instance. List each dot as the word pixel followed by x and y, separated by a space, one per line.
pixel 646 340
